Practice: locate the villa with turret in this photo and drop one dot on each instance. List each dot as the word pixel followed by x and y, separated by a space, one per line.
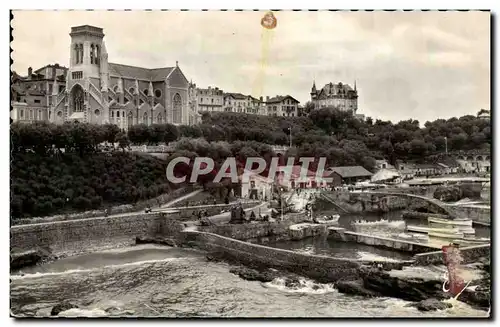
pixel 339 95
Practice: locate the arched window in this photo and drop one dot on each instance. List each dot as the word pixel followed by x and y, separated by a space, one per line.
pixel 158 93
pixel 59 114
pixel 31 114
pixel 92 53
pixel 112 113
pixel 39 115
pixel 159 118
pixel 145 91
pixel 77 53
pixel 97 112
pixel 77 98
pixel 97 54
pixel 130 119
pixel 81 54
pixel 177 109
pixel 479 158
pixel 21 114
pixel 118 114
pixel 145 118
pixel 131 90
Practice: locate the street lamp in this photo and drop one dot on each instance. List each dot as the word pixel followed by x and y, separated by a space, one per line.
pixel 446 145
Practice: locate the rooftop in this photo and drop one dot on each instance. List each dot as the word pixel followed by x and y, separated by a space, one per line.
pixel 350 171
pixel 153 75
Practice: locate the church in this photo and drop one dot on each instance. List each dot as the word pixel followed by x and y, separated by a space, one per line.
pixel 98 91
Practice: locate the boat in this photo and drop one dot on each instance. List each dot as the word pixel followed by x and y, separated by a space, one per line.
pixel 468 241
pixel 467 230
pixel 446 235
pixel 452 222
pixel 327 219
pixel 421 229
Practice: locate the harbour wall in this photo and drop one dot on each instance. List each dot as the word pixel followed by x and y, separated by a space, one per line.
pixel 343 235
pixel 191 212
pixel 469 254
pixel 478 214
pixel 321 268
pixel 80 235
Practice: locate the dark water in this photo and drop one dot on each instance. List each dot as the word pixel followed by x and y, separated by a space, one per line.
pixel 332 248
pixel 149 281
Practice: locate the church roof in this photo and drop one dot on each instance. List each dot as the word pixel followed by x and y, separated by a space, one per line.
pixel 153 75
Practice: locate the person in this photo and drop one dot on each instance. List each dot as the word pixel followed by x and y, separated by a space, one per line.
pixel 105 212
pixel 252 216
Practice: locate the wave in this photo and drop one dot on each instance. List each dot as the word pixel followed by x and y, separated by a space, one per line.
pixel 300 285
pixel 20 274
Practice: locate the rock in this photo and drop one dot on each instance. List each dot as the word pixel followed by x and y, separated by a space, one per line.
pixel 292 282
pixel 410 289
pixel 27 258
pixel 432 305
pixel 478 298
pixel 354 287
pixel 155 240
pixel 448 193
pixel 58 308
pixel 252 274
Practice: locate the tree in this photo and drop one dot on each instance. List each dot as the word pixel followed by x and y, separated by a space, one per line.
pixel 123 140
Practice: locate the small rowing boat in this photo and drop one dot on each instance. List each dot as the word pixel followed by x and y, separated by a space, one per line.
pixel 467 241
pixel 446 235
pixel 452 222
pixel 420 229
pixel 327 219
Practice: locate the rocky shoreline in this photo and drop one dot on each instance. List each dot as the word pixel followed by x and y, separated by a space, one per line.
pixel 426 293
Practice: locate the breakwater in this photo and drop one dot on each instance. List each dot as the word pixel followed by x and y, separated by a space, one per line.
pixel 321 268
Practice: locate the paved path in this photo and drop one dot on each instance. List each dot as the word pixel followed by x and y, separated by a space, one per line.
pixel 168 204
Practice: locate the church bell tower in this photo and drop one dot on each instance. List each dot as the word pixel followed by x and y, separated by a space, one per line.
pixel 87 85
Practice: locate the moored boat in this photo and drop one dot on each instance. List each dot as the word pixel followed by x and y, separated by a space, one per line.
pixel 327 219
pixel 452 222
pixel 446 235
pixel 421 229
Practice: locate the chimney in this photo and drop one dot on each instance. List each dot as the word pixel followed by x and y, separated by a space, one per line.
pixel 261 98
pixel 30 71
pixel 267 98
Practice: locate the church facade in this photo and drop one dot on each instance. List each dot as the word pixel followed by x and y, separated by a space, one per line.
pixel 98 91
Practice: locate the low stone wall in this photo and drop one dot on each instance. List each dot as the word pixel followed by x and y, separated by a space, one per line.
pixel 254 231
pixel 191 212
pixel 74 235
pixel 341 234
pixel 469 254
pixel 121 209
pixel 321 268
pixel 477 214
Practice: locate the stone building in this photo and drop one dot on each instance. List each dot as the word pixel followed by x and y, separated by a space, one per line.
pixel 31 95
pixel 98 91
pixel 237 102
pixel 337 95
pixel 285 106
pixel 210 99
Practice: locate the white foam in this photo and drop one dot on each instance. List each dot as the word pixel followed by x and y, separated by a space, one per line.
pixel 75 312
pixel 305 286
pixel 73 271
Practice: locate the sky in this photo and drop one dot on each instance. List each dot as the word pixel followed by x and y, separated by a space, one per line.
pixel 418 65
